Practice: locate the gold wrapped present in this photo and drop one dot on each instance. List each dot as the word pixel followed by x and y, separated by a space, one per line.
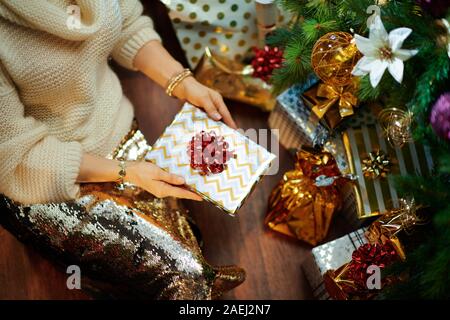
pixel 388 226
pixel 300 206
pixel 350 281
pixel 375 162
pixel 293 119
pixel 227 181
pixel 331 103
pixel 234 80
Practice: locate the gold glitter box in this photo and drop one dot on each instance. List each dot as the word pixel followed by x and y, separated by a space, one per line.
pixel 228 189
pixel 234 80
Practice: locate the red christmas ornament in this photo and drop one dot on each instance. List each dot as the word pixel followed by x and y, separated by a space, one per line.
pixel 265 61
pixel 209 153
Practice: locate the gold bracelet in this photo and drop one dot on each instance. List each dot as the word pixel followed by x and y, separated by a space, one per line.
pixel 122 174
pixel 176 80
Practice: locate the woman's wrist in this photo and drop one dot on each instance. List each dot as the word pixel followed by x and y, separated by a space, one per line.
pixel 176 80
pixel 131 171
pixel 98 169
pixel 182 89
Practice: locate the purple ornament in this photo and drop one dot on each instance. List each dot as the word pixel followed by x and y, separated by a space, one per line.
pixel 440 116
pixel 437 8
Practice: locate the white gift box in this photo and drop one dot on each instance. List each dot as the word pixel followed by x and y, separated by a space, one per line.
pixel 227 189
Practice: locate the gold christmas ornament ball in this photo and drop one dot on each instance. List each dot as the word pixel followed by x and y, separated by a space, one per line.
pixel 333 58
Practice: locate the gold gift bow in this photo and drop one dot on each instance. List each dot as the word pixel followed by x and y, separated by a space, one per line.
pixel 334 94
pixel 376 165
pixel 387 227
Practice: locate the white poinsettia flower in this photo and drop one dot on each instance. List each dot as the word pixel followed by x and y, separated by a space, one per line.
pixel 382 51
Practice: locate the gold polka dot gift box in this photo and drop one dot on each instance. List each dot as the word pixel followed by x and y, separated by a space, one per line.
pixel 226 188
pixel 226 26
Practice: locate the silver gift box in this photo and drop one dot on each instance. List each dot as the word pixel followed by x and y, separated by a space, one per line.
pixel 330 256
pixel 296 124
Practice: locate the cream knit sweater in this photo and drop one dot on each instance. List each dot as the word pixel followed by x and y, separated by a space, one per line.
pixel 58 95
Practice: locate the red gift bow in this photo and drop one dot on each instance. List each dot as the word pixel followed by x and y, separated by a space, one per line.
pixel 366 255
pixel 209 153
pixel 266 60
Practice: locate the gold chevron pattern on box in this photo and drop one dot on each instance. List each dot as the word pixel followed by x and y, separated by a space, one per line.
pixel 228 189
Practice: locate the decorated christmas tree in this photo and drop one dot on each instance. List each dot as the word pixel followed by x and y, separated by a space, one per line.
pixel 394 54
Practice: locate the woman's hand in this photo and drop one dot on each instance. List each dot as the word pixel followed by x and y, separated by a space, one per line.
pixel 157 181
pixel 143 174
pixel 189 89
pixel 199 95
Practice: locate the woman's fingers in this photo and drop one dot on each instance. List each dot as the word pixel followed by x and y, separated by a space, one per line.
pixel 223 110
pixel 166 184
pixel 169 177
pixel 211 101
pixel 208 105
pixel 214 106
pixel 167 190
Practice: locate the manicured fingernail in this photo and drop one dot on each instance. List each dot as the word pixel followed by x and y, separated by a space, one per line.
pixel 216 116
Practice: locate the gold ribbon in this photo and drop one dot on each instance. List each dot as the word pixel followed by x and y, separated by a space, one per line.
pixel 396 124
pixel 377 164
pixel 387 227
pixel 228 66
pixel 343 95
pixel 336 283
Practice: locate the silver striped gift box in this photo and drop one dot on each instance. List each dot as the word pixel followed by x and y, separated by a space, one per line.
pixel 330 256
pixel 370 197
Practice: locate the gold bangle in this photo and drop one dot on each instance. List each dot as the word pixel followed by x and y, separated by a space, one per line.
pixel 122 174
pixel 176 80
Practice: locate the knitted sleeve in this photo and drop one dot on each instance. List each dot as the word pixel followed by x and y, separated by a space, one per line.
pixel 137 30
pixel 35 167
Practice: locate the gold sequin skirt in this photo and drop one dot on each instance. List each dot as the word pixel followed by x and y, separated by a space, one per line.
pixel 128 244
